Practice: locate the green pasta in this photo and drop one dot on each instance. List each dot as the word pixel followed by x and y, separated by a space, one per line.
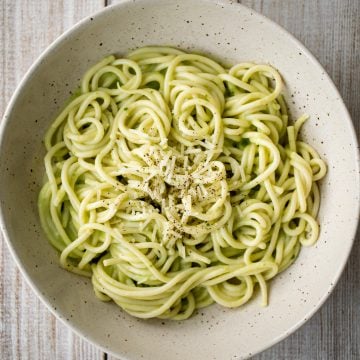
pixel 175 183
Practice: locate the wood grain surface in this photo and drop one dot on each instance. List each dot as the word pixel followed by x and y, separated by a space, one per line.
pixel 330 29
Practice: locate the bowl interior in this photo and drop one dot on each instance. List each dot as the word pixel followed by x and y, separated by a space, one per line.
pixel 230 33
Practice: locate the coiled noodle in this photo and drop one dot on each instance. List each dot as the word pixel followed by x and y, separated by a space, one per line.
pixel 174 183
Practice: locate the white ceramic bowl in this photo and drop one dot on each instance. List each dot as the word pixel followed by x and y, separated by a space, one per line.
pixel 229 32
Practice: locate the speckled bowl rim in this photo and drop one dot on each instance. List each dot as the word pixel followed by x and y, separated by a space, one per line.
pixel 78 27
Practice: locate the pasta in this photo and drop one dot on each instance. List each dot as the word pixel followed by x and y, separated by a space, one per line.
pixel 175 183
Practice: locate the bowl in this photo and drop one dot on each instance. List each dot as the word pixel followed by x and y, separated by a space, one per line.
pixel 231 33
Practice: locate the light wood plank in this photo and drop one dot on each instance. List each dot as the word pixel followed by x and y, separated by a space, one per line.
pixel 28 329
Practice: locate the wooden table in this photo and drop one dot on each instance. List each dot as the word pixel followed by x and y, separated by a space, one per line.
pixel 329 28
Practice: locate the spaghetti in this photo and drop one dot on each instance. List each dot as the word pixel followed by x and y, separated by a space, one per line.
pixel 175 183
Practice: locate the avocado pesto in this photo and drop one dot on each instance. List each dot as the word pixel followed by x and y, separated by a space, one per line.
pixel 175 183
